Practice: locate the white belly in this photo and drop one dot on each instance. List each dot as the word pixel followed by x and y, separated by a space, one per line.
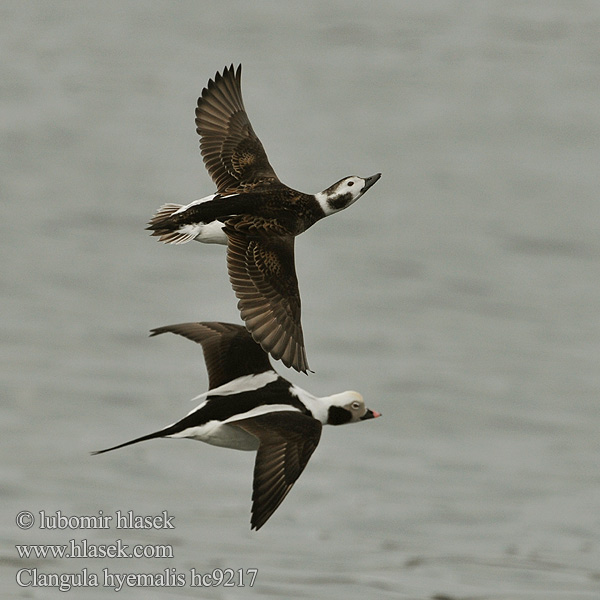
pixel 218 434
pixel 207 233
pixel 210 233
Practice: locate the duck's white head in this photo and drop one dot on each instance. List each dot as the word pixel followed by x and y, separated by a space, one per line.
pixel 344 193
pixel 348 407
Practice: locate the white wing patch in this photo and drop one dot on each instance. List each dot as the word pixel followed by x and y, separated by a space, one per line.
pixel 196 202
pixel 247 383
pixel 261 410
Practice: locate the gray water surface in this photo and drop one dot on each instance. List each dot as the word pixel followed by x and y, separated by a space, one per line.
pixel 461 295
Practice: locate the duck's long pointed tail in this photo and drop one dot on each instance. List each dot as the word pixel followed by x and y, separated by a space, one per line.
pixel 157 434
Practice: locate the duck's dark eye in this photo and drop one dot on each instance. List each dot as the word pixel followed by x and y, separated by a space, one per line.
pixel 350 183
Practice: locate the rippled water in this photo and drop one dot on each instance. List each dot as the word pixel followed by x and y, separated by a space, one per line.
pixel 461 295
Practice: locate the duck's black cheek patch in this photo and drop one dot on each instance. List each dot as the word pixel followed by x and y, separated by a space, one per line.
pixel 338 415
pixel 341 201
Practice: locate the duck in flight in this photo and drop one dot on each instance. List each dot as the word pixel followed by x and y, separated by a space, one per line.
pixel 255 215
pixel 248 406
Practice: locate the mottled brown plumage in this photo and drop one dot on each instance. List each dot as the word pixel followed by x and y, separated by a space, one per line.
pixel 256 215
pixel 233 154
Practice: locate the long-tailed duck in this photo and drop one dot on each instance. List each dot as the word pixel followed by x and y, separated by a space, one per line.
pixel 250 407
pixel 255 215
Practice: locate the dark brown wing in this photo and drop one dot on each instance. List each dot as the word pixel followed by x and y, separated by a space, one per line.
pixel 263 276
pixel 229 350
pixel 287 441
pixel 233 154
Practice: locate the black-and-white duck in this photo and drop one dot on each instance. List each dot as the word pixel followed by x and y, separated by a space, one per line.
pixel 248 406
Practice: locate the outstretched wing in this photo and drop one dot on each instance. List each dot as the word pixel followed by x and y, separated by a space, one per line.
pixel 233 154
pixel 263 276
pixel 229 350
pixel 287 441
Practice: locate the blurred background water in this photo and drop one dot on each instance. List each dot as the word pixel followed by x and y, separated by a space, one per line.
pixel 461 295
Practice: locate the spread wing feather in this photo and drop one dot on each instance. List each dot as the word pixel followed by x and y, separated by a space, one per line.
pixel 229 350
pixel 233 154
pixel 287 441
pixel 263 277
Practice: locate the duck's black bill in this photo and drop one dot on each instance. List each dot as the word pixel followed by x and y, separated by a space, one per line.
pixel 369 181
pixel 370 414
